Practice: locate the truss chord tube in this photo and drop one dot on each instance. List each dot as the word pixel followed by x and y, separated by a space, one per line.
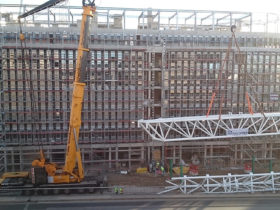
pixel 193 128
pixel 229 183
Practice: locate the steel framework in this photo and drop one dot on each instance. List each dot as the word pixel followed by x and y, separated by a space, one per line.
pixel 146 17
pixel 212 127
pixel 226 183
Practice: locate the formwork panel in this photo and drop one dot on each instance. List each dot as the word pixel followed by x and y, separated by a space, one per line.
pixel 129 82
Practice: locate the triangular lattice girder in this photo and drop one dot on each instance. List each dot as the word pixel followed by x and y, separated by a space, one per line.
pixel 212 127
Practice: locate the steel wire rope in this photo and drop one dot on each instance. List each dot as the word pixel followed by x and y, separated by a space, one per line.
pixel 31 89
pixel 223 80
pixel 219 81
pixel 246 74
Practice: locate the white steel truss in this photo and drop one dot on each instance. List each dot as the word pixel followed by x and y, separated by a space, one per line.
pixel 212 127
pixel 226 183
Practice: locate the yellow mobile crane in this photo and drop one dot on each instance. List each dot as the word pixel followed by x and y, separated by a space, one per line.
pixel 41 167
pixel 73 154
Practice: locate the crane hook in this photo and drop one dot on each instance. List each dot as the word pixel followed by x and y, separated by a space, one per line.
pixel 88 3
pixel 233 28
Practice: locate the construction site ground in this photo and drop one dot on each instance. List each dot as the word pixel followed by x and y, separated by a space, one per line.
pixel 152 179
pixel 145 179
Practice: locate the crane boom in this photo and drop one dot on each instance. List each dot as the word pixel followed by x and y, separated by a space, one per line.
pixel 73 154
pixel 41 7
pixel 68 173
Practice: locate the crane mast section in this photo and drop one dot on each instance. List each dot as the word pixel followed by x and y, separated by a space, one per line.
pixel 73 154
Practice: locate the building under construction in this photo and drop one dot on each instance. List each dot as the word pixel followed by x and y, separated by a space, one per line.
pixel 167 66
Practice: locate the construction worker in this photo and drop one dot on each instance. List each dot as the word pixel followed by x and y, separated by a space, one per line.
pixel 116 190
pixel 150 167
pixel 162 170
pixel 157 170
pixel 121 190
pixel 157 165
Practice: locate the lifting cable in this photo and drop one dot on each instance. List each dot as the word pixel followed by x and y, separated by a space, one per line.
pixel 30 83
pixel 247 95
pixel 220 80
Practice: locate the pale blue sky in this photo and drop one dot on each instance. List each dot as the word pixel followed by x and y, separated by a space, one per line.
pixel 233 5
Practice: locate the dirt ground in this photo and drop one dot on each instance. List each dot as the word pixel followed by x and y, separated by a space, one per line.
pixel 150 179
pixel 135 179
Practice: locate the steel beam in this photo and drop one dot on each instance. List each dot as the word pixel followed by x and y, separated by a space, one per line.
pixel 212 127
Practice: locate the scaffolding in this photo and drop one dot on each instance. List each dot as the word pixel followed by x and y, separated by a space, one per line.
pixel 136 18
pixel 132 74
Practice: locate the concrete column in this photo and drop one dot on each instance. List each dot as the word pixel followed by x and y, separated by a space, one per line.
pixel 108 18
pixel 149 154
pixel 180 153
pixel 129 158
pixel 205 155
pixel 162 152
pixel 83 155
pixel 213 21
pixel 117 157
pixel 5 161
pixel 110 157
pixel 50 155
pixel 124 20
pixel 47 152
pixel 271 150
pixel 174 155
pixel 241 152
pixel 251 22
pixel 21 161
pixel 235 154
pixel 158 20
pixel 13 160
pixel 264 150
pixel 142 155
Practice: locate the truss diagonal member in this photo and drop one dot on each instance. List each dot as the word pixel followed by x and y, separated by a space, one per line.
pixel 227 128
pixel 218 125
pixel 194 126
pixel 274 124
pixel 264 121
pixel 148 128
pixel 240 123
pixel 231 123
pixel 254 124
pixel 181 129
pixel 226 183
pixel 245 122
pixel 202 128
pixel 161 131
pixel 187 127
pixel 212 127
pixel 170 127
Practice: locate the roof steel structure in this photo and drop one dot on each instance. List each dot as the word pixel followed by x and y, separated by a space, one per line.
pixel 162 18
pixel 212 127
